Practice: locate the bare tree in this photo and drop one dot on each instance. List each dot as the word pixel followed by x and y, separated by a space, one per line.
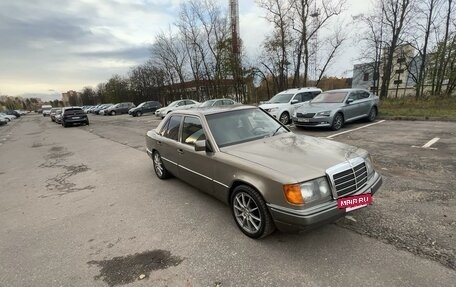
pixel 308 17
pixel 334 44
pixel 278 44
pixel 444 51
pixel 396 16
pixel 424 26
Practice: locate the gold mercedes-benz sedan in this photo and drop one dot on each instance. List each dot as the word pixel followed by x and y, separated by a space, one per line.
pixel 270 177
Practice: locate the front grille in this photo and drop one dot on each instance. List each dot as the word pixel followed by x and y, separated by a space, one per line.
pixel 350 180
pixel 308 115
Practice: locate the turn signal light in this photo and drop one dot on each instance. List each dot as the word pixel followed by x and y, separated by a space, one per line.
pixel 293 193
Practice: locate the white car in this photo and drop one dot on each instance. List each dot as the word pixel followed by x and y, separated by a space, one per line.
pixel 176 105
pixel 7 117
pixel 283 104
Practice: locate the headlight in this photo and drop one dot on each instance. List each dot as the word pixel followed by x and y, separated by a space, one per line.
pixel 369 166
pixel 295 114
pixel 310 191
pixel 273 109
pixel 323 114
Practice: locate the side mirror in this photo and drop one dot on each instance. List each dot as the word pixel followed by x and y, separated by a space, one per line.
pixel 203 145
pixel 294 101
pixel 200 145
pixel 349 101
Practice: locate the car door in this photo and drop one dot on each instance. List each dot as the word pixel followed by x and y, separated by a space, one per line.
pixel 148 107
pixel 365 103
pixel 351 108
pixel 169 142
pixel 195 168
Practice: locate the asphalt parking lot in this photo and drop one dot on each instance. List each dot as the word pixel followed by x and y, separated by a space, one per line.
pixel 81 206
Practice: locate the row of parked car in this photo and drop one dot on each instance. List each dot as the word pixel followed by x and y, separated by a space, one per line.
pixel 9 115
pixel 304 107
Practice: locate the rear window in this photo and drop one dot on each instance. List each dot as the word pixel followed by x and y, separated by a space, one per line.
pixel 74 111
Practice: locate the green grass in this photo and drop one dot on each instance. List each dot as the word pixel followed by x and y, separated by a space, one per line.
pixel 426 108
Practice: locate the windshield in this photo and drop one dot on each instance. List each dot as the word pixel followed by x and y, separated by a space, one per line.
pixel 330 97
pixel 208 103
pixel 280 98
pixel 141 104
pixel 233 127
pixel 173 104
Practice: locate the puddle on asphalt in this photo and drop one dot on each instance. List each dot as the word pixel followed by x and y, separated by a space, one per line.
pixel 127 269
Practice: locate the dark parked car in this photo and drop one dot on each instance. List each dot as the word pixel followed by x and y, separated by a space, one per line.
pixel 53 113
pixel 268 175
pixel 100 108
pixel 118 109
pixel 146 107
pixel 3 121
pixel 74 115
pixel 12 112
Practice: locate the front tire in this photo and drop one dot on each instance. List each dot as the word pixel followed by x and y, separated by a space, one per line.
pixel 372 114
pixel 159 167
pixel 138 114
pixel 284 118
pixel 250 212
pixel 338 122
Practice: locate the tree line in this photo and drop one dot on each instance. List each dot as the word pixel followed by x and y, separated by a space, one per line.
pixel 194 57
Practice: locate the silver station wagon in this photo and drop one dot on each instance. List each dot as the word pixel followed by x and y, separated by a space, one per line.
pixel 334 108
pixel 270 177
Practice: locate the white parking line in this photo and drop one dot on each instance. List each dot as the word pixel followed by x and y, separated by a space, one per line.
pixel 431 142
pixel 338 134
pixel 428 144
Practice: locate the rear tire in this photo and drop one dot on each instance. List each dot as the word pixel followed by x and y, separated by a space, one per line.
pixel 338 122
pixel 372 114
pixel 159 167
pixel 250 212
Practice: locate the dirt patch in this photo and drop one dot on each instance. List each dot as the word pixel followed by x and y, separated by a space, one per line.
pixel 127 269
pixel 35 145
pixel 61 183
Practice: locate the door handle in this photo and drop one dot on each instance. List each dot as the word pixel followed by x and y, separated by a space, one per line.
pixel 159 142
pixel 180 151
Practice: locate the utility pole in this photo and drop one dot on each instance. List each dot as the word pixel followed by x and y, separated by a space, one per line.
pixel 235 49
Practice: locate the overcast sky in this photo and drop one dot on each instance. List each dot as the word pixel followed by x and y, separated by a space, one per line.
pixel 49 47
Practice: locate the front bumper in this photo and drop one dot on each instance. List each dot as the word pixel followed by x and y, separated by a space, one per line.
pixel 288 219
pixel 313 122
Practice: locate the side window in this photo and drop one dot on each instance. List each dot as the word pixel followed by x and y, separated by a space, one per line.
pixel 217 103
pixel 192 130
pixel 307 97
pixel 316 93
pixel 228 102
pixel 187 102
pixel 298 97
pixel 172 128
pixel 181 103
pixel 353 96
pixel 363 95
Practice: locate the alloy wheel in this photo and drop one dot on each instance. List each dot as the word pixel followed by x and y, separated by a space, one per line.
pixel 247 213
pixel 284 118
pixel 158 165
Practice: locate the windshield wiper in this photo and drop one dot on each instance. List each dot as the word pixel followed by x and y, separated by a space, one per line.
pixel 276 130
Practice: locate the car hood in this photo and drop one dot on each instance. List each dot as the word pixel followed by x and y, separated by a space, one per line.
pixel 301 157
pixel 319 107
pixel 270 105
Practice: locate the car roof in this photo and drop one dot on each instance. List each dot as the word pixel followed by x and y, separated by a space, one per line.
pixel 213 110
pixel 346 90
pixel 297 90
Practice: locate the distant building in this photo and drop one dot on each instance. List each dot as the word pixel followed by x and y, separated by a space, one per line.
pixel 364 76
pixel 71 98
